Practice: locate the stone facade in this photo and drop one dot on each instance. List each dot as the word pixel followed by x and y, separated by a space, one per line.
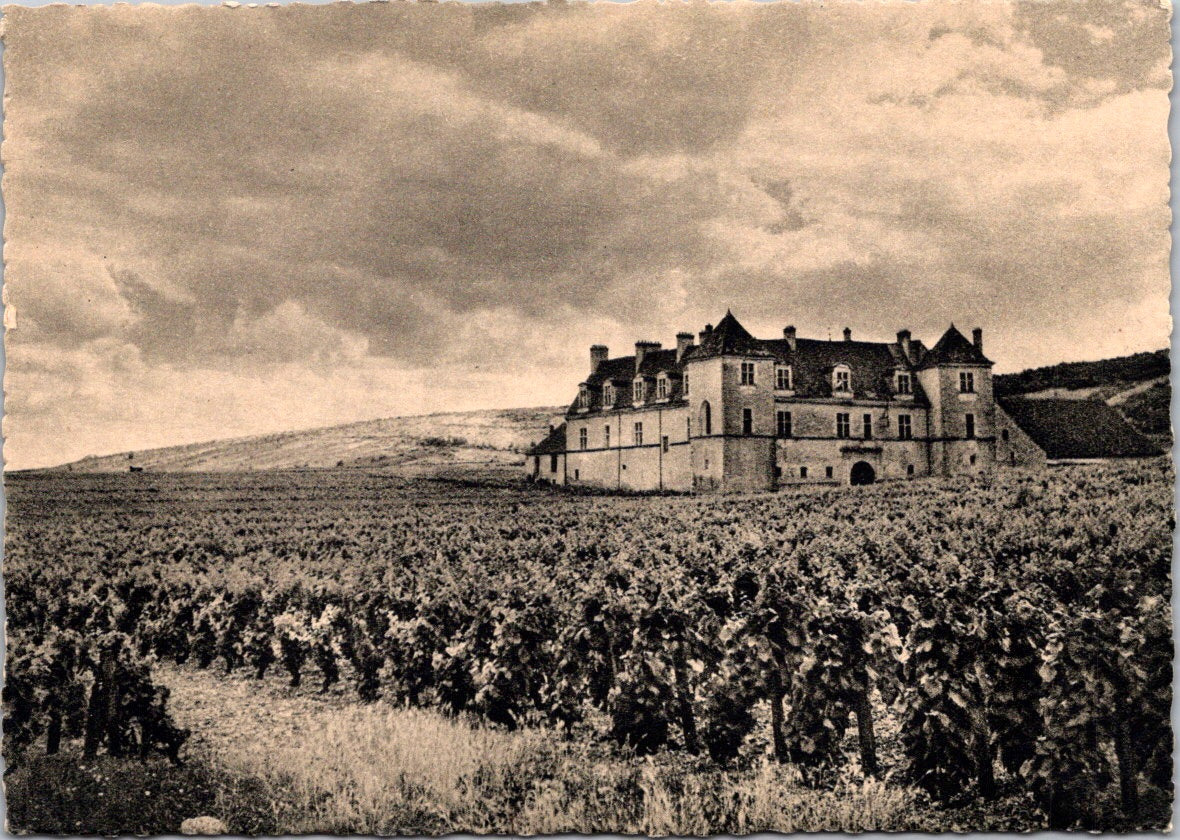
pixel 732 413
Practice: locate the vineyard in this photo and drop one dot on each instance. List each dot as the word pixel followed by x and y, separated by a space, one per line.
pixel 977 641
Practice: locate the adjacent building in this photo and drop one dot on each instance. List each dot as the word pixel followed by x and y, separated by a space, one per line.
pixel 1036 432
pixel 724 411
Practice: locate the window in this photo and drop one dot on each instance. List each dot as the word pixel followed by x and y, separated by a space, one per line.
pixel 606 436
pixel 843 425
pixel 688 428
pixel 747 373
pixel 783 424
pixel 828 472
pixel 747 421
pixel 909 470
pixel 552 463
pixel 972 459
pixel 638 434
pixel 707 418
pixel 904 384
pixel 608 394
pixel 662 388
pixel 966 382
pixel 637 391
pixel 583 438
pixel 783 378
pixel 577 474
pixel 970 420
pixel 842 379
pixel 1004 435
pixel 664 443
pixel 686 384
pixel 867 423
pixel 905 428
pixel 803 472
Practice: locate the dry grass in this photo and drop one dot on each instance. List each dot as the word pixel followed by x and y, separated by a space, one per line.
pixel 334 767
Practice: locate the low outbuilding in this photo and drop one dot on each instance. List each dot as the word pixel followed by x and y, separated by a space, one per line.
pixel 1038 432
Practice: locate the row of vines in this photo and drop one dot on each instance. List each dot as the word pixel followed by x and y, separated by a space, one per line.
pixel 1016 634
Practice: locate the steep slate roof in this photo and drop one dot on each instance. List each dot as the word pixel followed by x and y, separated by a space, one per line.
pixel 872 363
pixel 621 372
pixel 553 444
pixel 1075 429
pixel 729 338
pixel 954 349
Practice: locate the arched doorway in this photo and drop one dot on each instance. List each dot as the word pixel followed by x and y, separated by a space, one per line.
pixel 862 473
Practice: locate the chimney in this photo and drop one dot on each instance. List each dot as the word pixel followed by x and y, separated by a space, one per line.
pixel 642 348
pixel 977 339
pixel 789 335
pixel 683 342
pixel 848 334
pixel 903 341
pixel 705 333
pixel 598 355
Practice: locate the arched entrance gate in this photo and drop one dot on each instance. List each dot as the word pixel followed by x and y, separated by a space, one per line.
pixel 862 473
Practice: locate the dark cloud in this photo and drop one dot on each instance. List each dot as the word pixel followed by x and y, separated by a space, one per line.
pixel 403 186
pixel 1127 42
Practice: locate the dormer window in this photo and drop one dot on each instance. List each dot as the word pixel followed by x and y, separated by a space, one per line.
pixel 608 395
pixel 784 379
pixel 583 397
pixel 637 391
pixel 905 384
pixel 662 388
pixel 842 379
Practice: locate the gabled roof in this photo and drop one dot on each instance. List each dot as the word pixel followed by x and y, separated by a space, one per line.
pixel 954 349
pixel 729 338
pixel 553 444
pixel 1077 429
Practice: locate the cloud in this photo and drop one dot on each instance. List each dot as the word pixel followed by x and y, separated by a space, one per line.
pixel 323 202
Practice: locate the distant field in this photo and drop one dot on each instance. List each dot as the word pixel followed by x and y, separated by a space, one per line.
pixel 930 654
pixel 409 445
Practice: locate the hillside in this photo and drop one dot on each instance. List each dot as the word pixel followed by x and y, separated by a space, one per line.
pixel 1138 386
pixel 405 444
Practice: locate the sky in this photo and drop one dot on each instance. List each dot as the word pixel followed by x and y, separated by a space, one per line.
pixel 228 221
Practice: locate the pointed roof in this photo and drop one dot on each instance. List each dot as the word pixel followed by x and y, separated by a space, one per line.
pixel 954 349
pixel 729 338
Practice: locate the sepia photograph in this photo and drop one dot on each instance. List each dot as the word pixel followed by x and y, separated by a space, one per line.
pixel 651 418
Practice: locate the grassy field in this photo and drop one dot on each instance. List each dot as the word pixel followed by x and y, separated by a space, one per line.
pixel 268 759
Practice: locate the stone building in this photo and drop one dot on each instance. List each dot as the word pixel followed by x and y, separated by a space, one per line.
pixel 729 412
